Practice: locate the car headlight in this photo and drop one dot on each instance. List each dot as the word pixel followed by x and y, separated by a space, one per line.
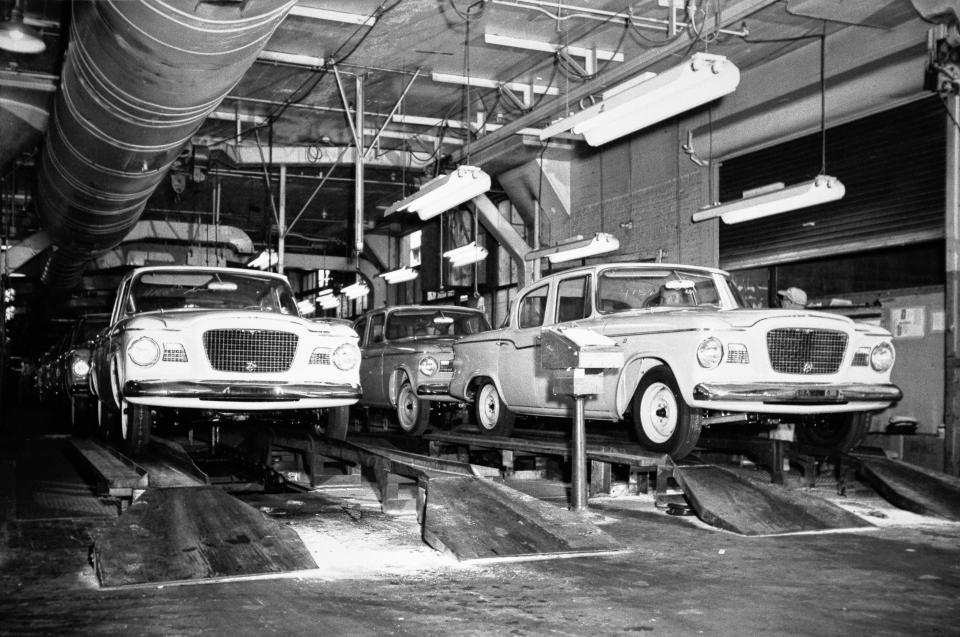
pixel 710 353
pixel 346 356
pixel 80 367
pixel 428 366
pixel 882 357
pixel 144 351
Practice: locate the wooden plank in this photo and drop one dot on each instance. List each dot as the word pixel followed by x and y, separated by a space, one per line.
pixel 190 533
pixel 112 471
pixel 723 499
pixel 910 487
pixel 475 518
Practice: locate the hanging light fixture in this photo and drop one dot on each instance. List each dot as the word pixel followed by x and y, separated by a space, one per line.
pixel 578 248
pixel 265 260
pixel 327 300
pixel 399 275
pixel 466 254
pixel 777 198
pixel 444 192
pixel 355 290
pixel 17 37
pixel 650 98
pixel 774 199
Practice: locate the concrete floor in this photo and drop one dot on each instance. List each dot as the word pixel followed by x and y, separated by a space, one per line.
pixel 375 576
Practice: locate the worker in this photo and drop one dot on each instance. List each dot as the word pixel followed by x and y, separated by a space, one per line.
pixel 792 298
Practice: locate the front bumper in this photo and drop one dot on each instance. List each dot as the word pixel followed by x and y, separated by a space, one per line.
pixel 434 390
pixel 797 393
pixel 239 391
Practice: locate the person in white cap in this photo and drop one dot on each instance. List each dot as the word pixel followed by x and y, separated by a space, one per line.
pixel 792 298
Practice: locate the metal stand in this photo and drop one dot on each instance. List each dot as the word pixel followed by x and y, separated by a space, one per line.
pixel 578 486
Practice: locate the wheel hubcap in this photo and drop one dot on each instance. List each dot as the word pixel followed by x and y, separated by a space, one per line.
pixel 489 408
pixel 659 412
pixel 407 410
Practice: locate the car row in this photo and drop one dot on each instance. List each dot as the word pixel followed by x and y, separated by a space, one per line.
pixel 694 357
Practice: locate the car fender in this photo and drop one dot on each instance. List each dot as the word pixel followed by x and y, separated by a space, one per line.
pixel 396 380
pixel 630 375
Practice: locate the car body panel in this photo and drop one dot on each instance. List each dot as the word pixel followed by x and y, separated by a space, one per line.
pixel 394 340
pixel 267 359
pixel 650 335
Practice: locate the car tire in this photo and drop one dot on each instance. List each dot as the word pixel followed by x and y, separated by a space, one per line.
pixel 661 419
pixel 833 432
pixel 413 413
pixel 107 422
pixel 490 413
pixel 136 421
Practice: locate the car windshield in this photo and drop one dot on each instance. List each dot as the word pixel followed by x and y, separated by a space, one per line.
pixel 186 290
pixel 429 322
pixel 622 289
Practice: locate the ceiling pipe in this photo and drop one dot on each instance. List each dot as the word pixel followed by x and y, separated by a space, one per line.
pixel 138 81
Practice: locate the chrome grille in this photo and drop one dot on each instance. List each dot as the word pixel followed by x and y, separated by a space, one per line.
pixel 319 357
pixel 806 351
pixel 249 351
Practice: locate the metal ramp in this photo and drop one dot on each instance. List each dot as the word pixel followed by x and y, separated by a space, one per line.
pixel 723 499
pixel 910 487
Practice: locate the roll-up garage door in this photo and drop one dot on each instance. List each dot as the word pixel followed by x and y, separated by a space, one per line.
pixel 892 165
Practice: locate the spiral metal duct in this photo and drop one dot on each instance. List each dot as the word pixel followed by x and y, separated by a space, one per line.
pixel 138 81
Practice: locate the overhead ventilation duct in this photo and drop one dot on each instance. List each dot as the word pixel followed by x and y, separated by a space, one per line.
pixel 138 81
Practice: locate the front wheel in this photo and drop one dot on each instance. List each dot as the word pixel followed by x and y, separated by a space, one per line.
pixel 491 415
pixel 413 413
pixel 661 419
pixel 136 421
pixel 833 432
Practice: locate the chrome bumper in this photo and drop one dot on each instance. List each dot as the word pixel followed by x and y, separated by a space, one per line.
pixel 240 391
pixel 434 389
pixel 797 393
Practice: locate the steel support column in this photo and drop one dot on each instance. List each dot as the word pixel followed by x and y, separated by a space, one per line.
pixel 951 394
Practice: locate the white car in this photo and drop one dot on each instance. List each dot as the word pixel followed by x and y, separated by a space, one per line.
pixel 219 340
pixel 693 357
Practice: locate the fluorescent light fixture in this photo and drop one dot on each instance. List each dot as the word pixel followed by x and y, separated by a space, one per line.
pixel 466 255
pixel 479 82
pixel 17 37
pixel 399 276
pixel 634 105
pixel 821 189
pixel 265 260
pixel 293 59
pixel 578 248
pixel 548 47
pixel 327 300
pixel 355 290
pixel 332 16
pixel 444 192
pixel 306 306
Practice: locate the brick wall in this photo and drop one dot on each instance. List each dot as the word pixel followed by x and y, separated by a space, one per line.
pixel 642 190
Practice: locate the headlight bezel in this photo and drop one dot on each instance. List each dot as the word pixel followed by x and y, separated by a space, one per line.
pixel 886 354
pixel 710 352
pixel 425 364
pixel 144 351
pixel 345 356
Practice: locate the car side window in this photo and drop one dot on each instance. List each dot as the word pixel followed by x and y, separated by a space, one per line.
pixel 532 307
pixel 360 327
pixel 376 328
pixel 572 299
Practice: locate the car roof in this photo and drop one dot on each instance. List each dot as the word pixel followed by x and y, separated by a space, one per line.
pixel 631 264
pixel 204 268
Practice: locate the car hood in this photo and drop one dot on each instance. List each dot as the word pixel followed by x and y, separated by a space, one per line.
pixel 187 319
pixel 699 319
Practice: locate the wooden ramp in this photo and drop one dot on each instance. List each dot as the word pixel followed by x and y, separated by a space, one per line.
pixel 475 518
pixel 191 533
pixel 910 487
pixel 723 499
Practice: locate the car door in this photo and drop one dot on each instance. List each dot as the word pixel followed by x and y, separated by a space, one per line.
pixel 371 361
pixel 523 383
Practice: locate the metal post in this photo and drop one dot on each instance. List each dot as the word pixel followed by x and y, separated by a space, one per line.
pixel 951 394
pixel 578 482
pixel 282 218
pixel 358 165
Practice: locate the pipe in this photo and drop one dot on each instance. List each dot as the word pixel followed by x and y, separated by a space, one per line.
pixel 138 81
